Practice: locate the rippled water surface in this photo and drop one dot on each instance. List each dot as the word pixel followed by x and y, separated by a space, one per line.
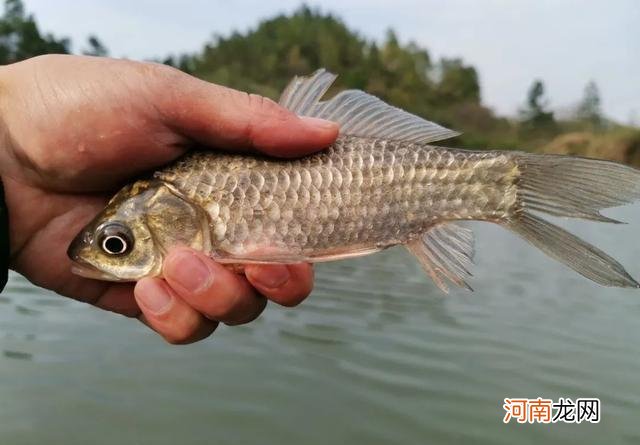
pixel 377 355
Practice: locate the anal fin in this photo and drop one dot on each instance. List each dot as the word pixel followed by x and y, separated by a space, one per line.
pixel 445 252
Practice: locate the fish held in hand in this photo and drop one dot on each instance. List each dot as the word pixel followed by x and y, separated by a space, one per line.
pixel 382 183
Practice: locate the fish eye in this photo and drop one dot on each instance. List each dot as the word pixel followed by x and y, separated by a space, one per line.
pixel 115 239
pixel 114 245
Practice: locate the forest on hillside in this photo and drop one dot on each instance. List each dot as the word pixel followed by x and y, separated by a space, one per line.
pixel 446 90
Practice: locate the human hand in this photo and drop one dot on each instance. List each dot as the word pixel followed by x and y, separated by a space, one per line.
pixel 74 129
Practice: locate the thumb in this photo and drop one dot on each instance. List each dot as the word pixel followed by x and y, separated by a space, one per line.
pixel 226 118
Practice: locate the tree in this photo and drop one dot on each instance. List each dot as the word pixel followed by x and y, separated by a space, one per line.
pixel 264 59
pixel 458 82
pixel 95 47
pixel 589 110
pixel 20 37
pixel 535 115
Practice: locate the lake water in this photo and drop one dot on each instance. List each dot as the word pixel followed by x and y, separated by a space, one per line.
pixel 376 355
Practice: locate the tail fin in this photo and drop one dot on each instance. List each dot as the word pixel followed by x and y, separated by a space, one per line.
pixel 578 188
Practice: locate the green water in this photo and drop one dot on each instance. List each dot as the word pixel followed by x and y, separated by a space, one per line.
pixel 377 355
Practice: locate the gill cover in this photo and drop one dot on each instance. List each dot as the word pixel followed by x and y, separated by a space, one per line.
pixel 129 238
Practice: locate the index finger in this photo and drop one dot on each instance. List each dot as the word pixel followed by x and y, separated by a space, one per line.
pixel 225 118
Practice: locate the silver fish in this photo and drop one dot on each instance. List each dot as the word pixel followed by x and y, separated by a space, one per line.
pixel 382 183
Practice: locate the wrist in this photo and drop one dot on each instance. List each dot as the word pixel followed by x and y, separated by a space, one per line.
pixel 4 240
pixel 5 139
pixel 5 249
pixel 5 166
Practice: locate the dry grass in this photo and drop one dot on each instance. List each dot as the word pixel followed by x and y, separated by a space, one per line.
pixel 619 145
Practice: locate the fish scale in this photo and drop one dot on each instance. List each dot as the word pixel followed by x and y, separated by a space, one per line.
pixel 359 191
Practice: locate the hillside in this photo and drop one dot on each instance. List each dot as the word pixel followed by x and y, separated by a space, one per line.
pixel 263 59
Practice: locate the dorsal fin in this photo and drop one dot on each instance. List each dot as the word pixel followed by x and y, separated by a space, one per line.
pixel 445 251
pixel 358 113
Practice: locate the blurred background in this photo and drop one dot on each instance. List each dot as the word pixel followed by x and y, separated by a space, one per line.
pixel 377 354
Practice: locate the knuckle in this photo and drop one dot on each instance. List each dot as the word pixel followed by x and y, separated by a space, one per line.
pixel 261 114
pixel 149 68
pixel 164 69
pixel 262 104
pixel 167 76
pixel 163 87
pixel 264 108
pixel 161 79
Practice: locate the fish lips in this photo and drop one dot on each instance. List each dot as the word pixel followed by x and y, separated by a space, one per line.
pixel 88 271
pixel 76 246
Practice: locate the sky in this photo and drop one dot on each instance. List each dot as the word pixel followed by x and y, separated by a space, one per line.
pixel 566 43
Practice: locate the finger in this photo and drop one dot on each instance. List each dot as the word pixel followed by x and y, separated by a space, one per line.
pixel 168 315
pixel 287 285
pixel 222 117
pixel 211 288
pixel 118 298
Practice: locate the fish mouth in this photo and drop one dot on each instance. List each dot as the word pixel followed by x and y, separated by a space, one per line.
pixel 81 267
pixel 87 271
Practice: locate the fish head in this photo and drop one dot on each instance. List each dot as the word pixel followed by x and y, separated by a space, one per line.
pixel 130 237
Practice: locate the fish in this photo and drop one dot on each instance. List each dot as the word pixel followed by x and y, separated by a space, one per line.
pixel 384 182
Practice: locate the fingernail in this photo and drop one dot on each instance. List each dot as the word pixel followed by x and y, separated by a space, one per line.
pixel 319 123
pixel 153 295
pixel 185 269
pixel 270 277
